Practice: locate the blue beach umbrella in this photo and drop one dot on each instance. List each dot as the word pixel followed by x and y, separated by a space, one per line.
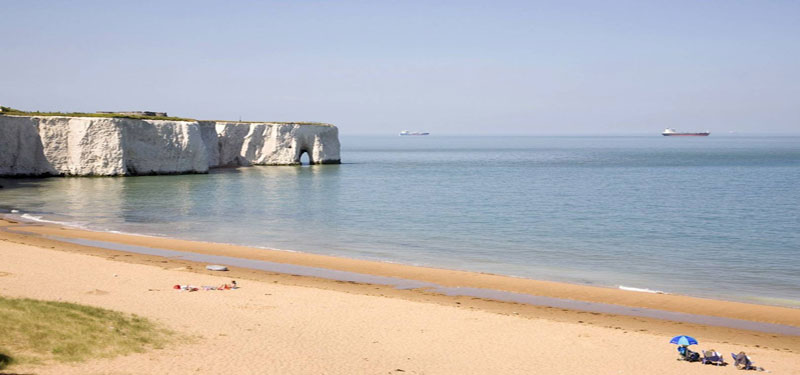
pixel 683 340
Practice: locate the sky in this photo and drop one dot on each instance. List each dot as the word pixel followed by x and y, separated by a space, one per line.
pixel 448 67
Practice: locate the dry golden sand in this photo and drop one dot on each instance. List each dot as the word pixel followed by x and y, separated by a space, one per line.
pixel 282 324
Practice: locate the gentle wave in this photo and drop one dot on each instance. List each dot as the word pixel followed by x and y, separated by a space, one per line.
pixel 69 224
pixel 41 219
pixel 15 215
pixel 642 290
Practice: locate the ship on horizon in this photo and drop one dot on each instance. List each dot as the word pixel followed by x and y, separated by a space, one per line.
pixel 406 132
pixel 672 132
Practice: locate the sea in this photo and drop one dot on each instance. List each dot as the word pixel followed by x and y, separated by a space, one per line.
pixel 715 217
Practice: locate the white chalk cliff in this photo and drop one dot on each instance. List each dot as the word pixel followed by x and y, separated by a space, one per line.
pixel 275 144
pixel 91 146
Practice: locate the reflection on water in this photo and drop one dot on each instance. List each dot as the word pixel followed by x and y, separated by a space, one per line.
pixel 684 216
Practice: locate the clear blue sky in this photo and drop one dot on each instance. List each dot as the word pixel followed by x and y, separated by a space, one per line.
pixel 449 67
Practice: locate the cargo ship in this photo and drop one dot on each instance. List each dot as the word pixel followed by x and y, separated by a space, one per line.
pixel 406 132
pixel 672 132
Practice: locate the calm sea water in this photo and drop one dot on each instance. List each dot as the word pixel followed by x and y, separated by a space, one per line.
pixel 708 216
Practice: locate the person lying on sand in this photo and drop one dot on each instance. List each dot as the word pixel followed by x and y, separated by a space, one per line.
pixel 713 357
pixel 193 288
pixel 743 362
pixel 688 355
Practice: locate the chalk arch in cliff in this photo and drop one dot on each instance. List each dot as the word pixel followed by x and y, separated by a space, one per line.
pixel 304 158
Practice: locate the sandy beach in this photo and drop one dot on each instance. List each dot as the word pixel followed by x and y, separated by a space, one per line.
pixel 399 187
pixel 285 324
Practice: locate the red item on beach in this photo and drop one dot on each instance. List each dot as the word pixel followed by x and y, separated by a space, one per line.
pixel 176 286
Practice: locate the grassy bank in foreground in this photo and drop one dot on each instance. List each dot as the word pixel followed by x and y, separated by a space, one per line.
pixel 38 332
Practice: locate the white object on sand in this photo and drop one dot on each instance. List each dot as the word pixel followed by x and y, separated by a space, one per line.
pixel 216 267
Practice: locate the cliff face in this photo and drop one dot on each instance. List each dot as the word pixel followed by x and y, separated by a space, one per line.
pixel 276 144
pixel 77 147
pixel 21 150
pixel 161 147
pixel 208 131
pixel 85 146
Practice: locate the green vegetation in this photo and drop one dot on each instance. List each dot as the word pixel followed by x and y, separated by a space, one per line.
pixel 314 123
pixel 17 112
pixel 37 332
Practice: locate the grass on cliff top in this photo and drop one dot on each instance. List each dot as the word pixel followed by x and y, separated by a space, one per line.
pixel 38 332
pixel 314 123
pixel 17 112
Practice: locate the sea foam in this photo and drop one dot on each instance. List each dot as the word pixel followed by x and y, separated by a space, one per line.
pixel 643 290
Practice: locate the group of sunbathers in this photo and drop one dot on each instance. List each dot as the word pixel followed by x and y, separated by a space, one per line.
pixel 192 288
pixel 712 357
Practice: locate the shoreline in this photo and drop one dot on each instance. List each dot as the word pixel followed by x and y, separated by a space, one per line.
pixel 645 289
pixel 458 291
pixel 36 235
pixel 30 218
pixel 290 323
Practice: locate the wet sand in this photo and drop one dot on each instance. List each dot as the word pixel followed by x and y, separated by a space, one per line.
pixel 283 323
